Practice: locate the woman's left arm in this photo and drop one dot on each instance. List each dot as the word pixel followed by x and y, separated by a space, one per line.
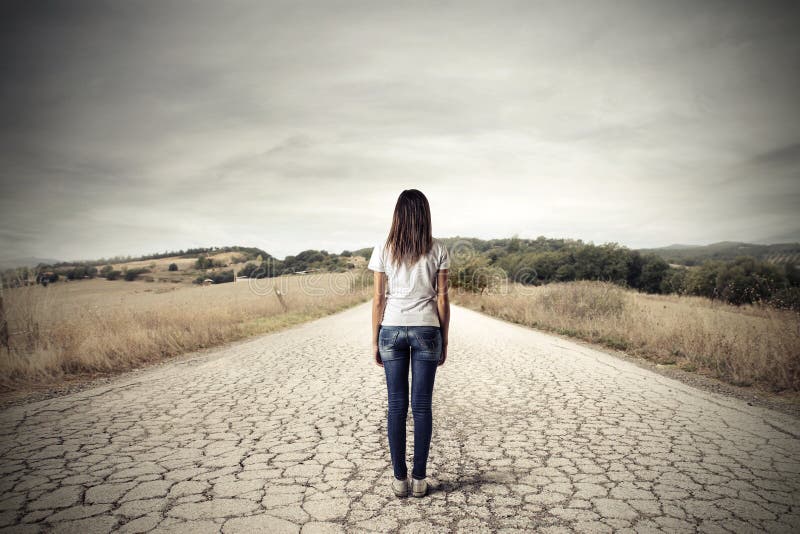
pixel 378 305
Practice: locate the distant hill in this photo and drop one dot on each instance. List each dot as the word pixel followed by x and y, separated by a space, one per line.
pixel 31 261
pixel 677 253
pixel 677 246
pixel 221 264
pixel 778 253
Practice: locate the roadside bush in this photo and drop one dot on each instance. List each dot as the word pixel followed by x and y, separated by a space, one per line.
pixel 583 300
pixel 173 267
pixel 476 274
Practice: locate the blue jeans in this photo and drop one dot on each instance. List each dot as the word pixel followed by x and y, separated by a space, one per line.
pixel 418 347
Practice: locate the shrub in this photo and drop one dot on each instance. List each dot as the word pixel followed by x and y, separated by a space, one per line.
pixel 653 272
pixel 583 300
pixel 674 281
pixel 46 277
pixel 133 274
pixel 744 280
pixel 81 271
pixel 218 278
pixel 787 298
pixel 203 262
pixel 252 270
pixel 173 267
pixel 475 274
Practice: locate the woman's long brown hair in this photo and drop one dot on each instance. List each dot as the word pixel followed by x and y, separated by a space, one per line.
pixel 410 236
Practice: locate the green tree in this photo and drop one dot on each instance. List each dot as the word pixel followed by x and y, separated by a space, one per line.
pixel 475 274
pixel 203 262
pixel 747 280
pixel 565 273
pixel 702 280
pixel 133 274
pixel 674 280
pixel 653 271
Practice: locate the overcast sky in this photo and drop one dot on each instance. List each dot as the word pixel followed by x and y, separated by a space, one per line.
pixel 136 127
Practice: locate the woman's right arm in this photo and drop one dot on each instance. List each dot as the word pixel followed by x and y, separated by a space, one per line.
pixel 378 307
pixel 443 307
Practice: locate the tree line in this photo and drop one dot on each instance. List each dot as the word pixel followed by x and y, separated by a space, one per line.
pixel 476 263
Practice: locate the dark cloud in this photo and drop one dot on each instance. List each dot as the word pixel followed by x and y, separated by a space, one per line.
pixel 784 156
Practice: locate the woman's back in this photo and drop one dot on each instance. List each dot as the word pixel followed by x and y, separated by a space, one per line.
pixel 410 324
pixel 411 290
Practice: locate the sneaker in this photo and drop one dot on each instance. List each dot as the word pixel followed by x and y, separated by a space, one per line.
pixel 419 487
pixel 400 487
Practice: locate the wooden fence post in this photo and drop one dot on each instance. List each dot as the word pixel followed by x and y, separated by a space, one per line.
pixel 280 298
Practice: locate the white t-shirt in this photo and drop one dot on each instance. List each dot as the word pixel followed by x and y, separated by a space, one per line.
pixel 411 291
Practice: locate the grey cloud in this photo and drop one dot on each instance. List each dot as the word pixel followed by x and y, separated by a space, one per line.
pixel 784 156
pixel 283 123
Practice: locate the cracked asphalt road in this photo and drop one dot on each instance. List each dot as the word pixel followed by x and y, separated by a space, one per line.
pixel 286 432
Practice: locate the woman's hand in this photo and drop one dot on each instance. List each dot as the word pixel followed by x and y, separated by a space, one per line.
pixel 378 307
pixel 443 357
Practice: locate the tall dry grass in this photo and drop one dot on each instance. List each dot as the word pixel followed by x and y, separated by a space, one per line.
pixel 748 345
pixel 102 326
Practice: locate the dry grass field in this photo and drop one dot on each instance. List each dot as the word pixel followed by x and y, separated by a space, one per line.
pixel 745 345
pixel 161 265
pixel 159 268
pixel 101 326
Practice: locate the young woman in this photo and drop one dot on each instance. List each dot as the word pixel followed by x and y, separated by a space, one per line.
pixel 410 320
